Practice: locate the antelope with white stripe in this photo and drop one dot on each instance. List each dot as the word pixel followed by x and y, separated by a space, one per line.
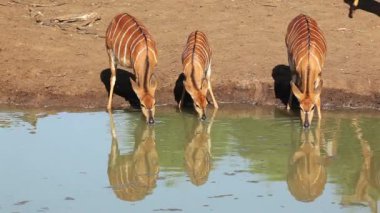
pixel 306 54
pixel 129 44
pixel 196 61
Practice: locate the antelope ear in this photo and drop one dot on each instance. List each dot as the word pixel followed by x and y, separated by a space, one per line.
pixel 153 83
pixel 319 87
pixel 299 95
pixel 318 90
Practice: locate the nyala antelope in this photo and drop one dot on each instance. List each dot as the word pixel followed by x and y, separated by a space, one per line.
pixel 129 44
pixel 306 55
pixel 196 61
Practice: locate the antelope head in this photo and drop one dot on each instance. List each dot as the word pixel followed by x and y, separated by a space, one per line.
pixel 307 102
pixel 146 97
pixel 199 97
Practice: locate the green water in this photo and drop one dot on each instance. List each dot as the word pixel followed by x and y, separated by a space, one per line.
pixel 243 159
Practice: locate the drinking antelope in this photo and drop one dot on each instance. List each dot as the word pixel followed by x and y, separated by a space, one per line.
pixel 129 44
pixel 196 61
pixel 306 55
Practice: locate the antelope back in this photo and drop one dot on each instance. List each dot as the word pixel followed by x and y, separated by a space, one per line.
pixel 130 42
pixel 306 48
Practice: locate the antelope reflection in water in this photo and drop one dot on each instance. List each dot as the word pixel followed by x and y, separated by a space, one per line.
pixel 369 174
pixel 198 151
pixel 30 117
pixel 307 174
pixel 133 176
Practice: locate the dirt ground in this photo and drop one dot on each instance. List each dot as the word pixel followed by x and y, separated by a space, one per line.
pixel 51 64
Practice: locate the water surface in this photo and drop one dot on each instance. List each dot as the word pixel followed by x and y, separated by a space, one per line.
pixel 245 159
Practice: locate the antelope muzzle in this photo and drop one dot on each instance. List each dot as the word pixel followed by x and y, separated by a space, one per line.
pixel 306 121
pixel 150 117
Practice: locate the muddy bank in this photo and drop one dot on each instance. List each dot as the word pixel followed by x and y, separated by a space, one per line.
pixel 258 94
pixel 46 62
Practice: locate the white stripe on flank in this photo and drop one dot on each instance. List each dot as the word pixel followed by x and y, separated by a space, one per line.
pixel 187 64
pixel 317 50
pixel 317 60
pixel 138 54
pixel 300 33
pixel 300 43
pixel 300 60
pixel 205 52
pixel 121 40
pixel 135 42
pixel 199 64
pixel 292 31
pixel 117 24
pixel 296 23
pixel 154 54
pixel 202 40
pixel 126 44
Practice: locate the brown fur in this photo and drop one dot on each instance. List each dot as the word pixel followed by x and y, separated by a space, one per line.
pixel 196 61
pixel 129 44
pixel 306 47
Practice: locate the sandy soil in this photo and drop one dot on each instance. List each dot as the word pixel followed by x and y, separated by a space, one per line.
pixel 43 64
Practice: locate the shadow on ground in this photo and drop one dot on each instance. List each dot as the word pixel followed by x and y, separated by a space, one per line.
pixel 178 89
pixel 123 85
pixel 371 6
pixel 282 76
